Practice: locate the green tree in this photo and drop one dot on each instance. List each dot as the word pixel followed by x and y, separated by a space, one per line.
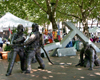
pixel 38 10
pixel 33 10
pixel 81 10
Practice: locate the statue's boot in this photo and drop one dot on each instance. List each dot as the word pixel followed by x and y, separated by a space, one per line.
pixel 91 66
pixel 8 74
pixel 23 67
pixel 40 61
pixel 28 65
pixel 11 64
pixel 23 61
pixel 41 67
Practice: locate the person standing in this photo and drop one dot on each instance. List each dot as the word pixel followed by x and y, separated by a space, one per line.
pixel 1 42
pixel 0 52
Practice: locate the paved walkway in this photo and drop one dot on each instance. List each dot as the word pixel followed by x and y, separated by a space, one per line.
pixel 65 71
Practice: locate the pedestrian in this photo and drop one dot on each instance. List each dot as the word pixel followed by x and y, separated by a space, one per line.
pixel 1 42
pixel 1 53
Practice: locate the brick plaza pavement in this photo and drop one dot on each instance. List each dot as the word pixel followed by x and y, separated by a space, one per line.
pixel 65 71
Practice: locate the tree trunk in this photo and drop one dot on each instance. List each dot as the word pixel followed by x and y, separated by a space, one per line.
pixel 54 24
pixel 53 21
pixel 85 28
pixel 92 23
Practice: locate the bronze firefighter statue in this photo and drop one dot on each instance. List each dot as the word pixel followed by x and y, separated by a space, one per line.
pixel 33 48
pixel 90 56
pixel 17 39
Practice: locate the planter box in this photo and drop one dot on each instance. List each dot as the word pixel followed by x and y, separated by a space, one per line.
pixel 5 54
pixel 17 58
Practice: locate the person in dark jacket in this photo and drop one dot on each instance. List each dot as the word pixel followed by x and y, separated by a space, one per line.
pixel 0 52
pixel 1 42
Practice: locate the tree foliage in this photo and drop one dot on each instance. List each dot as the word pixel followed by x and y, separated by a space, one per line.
pixel 81 10
pixel 37 10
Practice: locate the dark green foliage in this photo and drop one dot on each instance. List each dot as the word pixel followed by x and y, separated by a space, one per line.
pixel 7 48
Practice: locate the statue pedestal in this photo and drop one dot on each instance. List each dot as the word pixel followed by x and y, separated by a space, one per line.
pixel 66 52
pixel 71 51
